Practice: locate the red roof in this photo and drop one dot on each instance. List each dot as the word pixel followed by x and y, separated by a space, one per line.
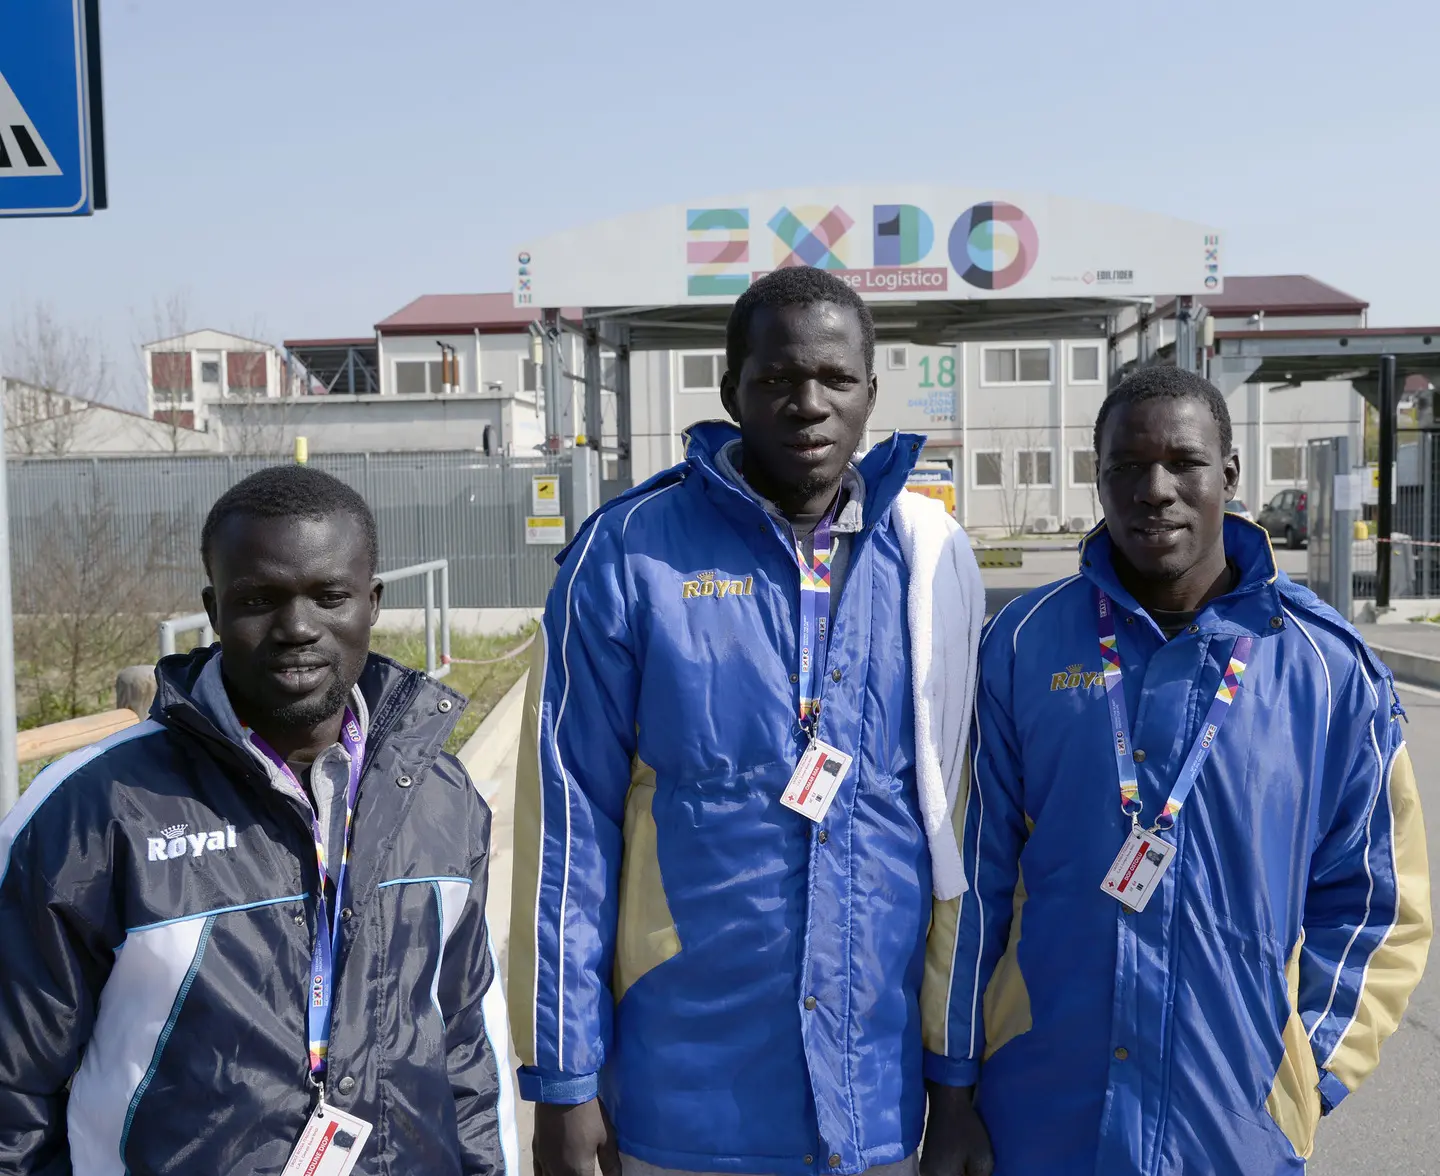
pixel 1282 294
pixel 452 314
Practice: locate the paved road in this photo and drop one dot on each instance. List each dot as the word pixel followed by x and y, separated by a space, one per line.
pixel 1391 1126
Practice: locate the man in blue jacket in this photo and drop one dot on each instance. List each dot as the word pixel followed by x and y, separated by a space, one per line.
pixel 248 934
pixel 733 820
pixel 1199 896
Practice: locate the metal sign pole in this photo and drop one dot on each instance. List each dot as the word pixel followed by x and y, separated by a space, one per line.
pixel 9 765
pixel 1384 512
pixel 50 94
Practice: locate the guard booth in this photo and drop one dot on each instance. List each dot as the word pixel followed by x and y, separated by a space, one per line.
pixel 939 266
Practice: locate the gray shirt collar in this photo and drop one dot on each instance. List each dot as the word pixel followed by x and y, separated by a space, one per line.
pixel 851 516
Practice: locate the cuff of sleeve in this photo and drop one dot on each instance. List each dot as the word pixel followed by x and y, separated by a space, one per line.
pixel 950 1071
pixel 551 1086
pixel 1332 1091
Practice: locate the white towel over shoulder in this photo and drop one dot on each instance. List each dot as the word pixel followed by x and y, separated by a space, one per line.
pixel 946 608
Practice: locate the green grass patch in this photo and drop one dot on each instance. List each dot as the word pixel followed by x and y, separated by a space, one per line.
pixel 483 685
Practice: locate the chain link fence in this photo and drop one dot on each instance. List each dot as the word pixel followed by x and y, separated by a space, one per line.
pixel 459 506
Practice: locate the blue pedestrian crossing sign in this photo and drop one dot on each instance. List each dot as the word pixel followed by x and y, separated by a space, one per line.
pixel 51 130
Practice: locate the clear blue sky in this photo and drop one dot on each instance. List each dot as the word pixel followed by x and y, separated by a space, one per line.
pixel 305 167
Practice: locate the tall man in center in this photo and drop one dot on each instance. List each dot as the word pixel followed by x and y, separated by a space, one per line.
pixel 742 754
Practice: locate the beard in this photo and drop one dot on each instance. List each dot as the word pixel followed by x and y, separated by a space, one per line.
pixel 305 713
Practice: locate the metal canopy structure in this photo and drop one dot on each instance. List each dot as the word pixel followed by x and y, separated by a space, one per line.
pixel 342 367
pixel 1342 353
pixel 929 323
pixel 937 265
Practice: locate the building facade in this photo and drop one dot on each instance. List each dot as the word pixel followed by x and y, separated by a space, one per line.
pixel 187 375
pixel 1012 419
pixel 40 422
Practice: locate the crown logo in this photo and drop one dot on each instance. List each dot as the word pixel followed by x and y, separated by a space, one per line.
pixel 170 832
pixel 1077 668
pixel 703 577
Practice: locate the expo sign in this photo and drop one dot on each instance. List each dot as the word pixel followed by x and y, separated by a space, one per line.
pixel 991 246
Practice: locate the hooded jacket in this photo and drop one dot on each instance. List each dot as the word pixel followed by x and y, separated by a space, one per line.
pixel 157 915
pixel 1209 1032
pixel 740 985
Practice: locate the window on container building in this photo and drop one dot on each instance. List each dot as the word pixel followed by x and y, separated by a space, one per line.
pixel 1082 467
pixel 700 371
pixel 1017 365
pixel 1032 468
pixel 1085 363
pixel 989 469
pixel 1287 463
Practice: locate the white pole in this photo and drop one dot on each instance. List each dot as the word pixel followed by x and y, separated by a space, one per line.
pixel 9 766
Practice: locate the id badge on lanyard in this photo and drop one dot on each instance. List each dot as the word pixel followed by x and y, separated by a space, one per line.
pixel 332 1140
pixel 821 769
pixel 1146 855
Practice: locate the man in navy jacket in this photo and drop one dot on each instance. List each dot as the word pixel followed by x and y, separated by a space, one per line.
pixel 164 894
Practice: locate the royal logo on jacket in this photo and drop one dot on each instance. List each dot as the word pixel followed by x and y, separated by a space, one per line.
pixel 1076 677
pixel 174 842
pixel 717 586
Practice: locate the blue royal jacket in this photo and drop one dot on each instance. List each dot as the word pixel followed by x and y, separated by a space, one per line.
pixel 741 986
pixel 1209 1033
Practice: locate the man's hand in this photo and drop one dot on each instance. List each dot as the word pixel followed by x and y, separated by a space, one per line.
pixel 568 1140
pixel 956 1142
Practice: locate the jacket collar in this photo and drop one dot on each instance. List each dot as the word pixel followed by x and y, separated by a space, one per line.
pixel 1253 607
pixel 851 517
pixel 882 471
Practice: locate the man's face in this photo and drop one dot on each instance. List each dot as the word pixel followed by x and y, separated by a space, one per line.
pixel 802 397
pixel 292 602
pixel 1164 484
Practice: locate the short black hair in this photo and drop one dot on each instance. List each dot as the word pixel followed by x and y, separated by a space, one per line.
pixel 797 285
pixel 1153 382
pixel 290 491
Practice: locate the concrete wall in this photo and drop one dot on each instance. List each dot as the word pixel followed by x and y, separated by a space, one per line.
pixel 354 424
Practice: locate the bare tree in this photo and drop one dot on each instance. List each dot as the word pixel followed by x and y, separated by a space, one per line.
pixel 59 373
pixel 1021 450
pixel 88 599
pixel 256 425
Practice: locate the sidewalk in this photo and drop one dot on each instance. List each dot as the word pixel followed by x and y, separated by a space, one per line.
pixel 1412 651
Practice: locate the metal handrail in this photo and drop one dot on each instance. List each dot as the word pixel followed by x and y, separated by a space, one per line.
pixel 437 662
pixel 189 623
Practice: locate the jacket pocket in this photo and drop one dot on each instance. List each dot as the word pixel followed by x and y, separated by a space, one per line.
pixel 645 934
pixel 1294 1101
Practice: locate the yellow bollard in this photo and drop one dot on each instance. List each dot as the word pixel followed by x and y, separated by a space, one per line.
pixel 302 450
